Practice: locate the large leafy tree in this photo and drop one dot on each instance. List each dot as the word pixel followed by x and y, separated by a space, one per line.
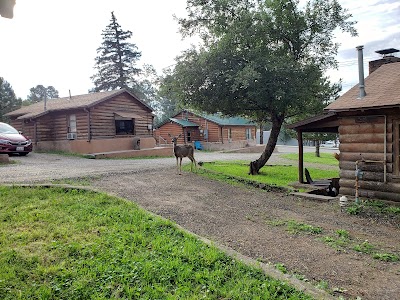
pixel 8 100
pixel 260 59
pixel 40 92
pixel 168 99
pixel 146 87
pixel 330 93
pixel 115 63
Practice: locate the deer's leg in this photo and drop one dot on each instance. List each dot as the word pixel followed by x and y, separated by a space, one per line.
pixel 193 161
pixel 177 165
pixel 180 165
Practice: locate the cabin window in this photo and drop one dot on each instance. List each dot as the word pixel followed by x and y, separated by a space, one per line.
pixel 188 136
pixel 229 134
pixel 72 123
pixel 248 134
pixel 124 127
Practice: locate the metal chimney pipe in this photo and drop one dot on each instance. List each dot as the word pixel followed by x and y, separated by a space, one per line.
pixel 45 101
pixel 361 72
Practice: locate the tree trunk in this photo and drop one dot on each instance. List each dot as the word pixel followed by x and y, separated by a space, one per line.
pixel 317 145
pixel 261 134
pixel 256 165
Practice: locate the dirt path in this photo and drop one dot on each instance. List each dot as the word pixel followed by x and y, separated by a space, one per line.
pixel 246 220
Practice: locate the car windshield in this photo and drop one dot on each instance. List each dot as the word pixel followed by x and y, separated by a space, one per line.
pixel 5 128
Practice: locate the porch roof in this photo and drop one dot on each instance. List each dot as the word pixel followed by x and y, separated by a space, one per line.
pixel 327 122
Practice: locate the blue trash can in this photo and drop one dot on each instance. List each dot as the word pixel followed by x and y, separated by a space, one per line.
pixel 197 145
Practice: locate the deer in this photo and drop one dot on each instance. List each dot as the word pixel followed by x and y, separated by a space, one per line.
pixel 181 151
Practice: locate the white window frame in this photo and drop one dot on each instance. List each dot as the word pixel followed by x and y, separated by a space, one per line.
pixel 72 124
pixel 249 134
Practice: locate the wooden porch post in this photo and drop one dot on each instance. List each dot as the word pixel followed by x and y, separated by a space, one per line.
pixel 301 164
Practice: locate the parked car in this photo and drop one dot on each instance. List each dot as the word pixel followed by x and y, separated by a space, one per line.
pixel 13 142
pixel 330 144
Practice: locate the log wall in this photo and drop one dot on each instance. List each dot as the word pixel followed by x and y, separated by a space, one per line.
pixel 99 123
pixel 103 122
pixel 214 131
pixel 217 133
pixel 362 138
pixel 27 128
pixel 238 133
pixel 169 128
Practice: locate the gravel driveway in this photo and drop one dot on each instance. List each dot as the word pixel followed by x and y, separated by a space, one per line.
pixel 42 167
pixel 238 217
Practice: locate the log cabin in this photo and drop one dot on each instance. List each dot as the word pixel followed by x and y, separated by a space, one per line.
pixel 205 128
pixel 90 123
pixel 367 119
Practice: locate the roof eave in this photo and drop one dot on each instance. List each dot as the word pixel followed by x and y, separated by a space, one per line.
pixel 328 118
pixel 337 110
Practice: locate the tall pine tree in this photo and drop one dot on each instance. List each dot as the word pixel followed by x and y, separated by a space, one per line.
pixel 8 100
pixel 39 92
pixel 115 63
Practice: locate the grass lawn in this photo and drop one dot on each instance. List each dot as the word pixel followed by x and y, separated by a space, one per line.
pixel 72 244
pixel 272 175
pixel 309 157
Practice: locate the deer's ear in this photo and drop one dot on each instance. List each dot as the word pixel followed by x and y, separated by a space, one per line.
pixel 179 135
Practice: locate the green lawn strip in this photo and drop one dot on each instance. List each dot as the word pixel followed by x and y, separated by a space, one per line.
pixel 273 175
pixel 309 157
pixel 72 244
pixel 2 164
pixel 82 181
pixel 62 153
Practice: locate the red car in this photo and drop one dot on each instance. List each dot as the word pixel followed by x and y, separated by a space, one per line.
pixel 13 142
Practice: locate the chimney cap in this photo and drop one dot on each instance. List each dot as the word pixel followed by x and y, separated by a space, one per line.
pixel 387 51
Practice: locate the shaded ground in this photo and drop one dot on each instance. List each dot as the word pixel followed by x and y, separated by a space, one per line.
pixel 246 220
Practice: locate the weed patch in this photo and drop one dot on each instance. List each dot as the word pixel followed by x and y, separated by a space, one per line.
pixel 340 241
pixel 386 257
pixel 377 210
pixel 364 247
pixel 295 227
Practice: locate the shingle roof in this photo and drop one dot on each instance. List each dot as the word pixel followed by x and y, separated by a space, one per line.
pixel 225 121
pixel 66 103
pixel 216 118
pixel 184 123
pixel 221 120
pixel 382 88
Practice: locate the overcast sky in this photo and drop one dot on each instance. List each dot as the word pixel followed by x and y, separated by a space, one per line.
pixel 54 43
